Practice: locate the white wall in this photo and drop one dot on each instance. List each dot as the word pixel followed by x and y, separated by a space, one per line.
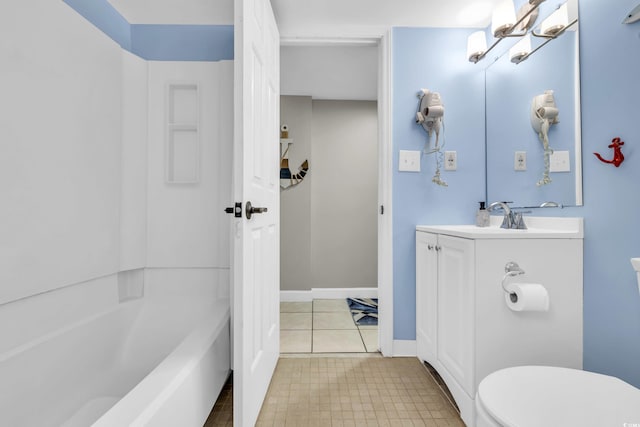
pixel 60 82
pixel 295 202
pixel 83 196
pixel 344 230
pixel 133 199
pixel 186 223
pixel 329 221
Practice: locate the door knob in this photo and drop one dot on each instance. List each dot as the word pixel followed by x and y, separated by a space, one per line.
pixel 250 210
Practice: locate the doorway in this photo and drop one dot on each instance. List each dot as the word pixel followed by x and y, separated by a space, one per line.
pixel 330 218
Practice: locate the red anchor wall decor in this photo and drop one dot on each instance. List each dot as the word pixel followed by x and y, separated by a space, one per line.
pixel 618 158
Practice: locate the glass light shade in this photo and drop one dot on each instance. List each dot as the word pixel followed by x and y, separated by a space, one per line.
pixel 503 19
pixel 476 46
pixel 556 22
pixel 520 50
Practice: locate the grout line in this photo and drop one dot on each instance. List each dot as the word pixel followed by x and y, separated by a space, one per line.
pixel 313 312
pixel 362 339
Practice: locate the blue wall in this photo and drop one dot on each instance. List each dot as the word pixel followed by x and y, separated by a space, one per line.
pixel 610 64
pixel 430 58
pixel 159 42
pixel 610 70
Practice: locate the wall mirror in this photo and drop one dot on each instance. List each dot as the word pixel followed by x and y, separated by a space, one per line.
pixel 515 152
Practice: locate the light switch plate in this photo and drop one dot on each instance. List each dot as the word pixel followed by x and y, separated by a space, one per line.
pixel 559 162
pixel 409 161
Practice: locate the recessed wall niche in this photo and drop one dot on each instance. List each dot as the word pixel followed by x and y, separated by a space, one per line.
pixel 182 136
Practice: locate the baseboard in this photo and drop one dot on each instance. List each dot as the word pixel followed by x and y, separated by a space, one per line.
pixel 404 348
pixel 296 296
pixel 328 293
pixel 337 293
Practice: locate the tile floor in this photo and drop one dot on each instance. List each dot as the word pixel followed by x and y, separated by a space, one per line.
pixel 323 326
pixel 351 390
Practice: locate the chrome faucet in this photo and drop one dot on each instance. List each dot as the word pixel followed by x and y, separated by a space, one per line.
pixel 511 219
pixel 507 222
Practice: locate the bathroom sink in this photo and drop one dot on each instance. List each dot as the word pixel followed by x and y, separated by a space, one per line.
pixel 537 228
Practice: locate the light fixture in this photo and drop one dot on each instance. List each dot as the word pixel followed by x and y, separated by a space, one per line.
pixel 521 50
pixel 556 22
pixel 553 26
pixel 503 24
pixel 476 46
pixel 503 19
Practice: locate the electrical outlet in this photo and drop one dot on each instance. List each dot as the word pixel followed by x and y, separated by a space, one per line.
pixel 450 160
pixel 409 161
pixel 520 161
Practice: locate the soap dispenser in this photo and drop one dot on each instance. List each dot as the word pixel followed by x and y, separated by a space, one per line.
pixel 482 216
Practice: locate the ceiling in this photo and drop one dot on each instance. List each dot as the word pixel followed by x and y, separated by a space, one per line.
pixel 320 18
pixel 335 18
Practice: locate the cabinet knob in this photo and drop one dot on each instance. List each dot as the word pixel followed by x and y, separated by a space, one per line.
pixel 438 247
pixel 430 247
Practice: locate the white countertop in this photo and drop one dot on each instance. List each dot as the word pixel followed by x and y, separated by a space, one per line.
pixel 537 228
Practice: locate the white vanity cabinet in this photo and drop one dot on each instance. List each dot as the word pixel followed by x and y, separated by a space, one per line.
pixel 444 297
pixel 464 327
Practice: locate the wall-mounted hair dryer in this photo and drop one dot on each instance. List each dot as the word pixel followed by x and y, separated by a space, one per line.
pixel 430 116
pixel 543 109
pixel 430 111
pixel 544 113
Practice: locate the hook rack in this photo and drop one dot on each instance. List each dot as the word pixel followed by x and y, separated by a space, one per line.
pixel 618 157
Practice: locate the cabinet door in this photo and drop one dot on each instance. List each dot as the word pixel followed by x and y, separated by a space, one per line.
pixel 456 295
pixel 426 296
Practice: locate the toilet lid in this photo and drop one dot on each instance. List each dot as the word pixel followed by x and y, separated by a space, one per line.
pixel 534 396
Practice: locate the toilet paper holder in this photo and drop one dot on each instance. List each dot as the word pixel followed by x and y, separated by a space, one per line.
pixel 511 269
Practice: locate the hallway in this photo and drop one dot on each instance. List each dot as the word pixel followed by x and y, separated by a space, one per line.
pixel 324 326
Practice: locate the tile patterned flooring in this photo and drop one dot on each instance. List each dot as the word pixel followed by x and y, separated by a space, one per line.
pixel 330 373
pixel 323 326
pixel 349 390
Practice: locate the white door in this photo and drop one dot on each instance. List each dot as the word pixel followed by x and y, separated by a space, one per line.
pixel 256 262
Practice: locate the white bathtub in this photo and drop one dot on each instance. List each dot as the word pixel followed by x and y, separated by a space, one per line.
pixel 153 362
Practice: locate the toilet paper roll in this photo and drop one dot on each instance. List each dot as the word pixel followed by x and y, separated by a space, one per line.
pixel 527 297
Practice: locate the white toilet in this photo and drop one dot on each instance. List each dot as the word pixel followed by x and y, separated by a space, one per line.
pixel 544 396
